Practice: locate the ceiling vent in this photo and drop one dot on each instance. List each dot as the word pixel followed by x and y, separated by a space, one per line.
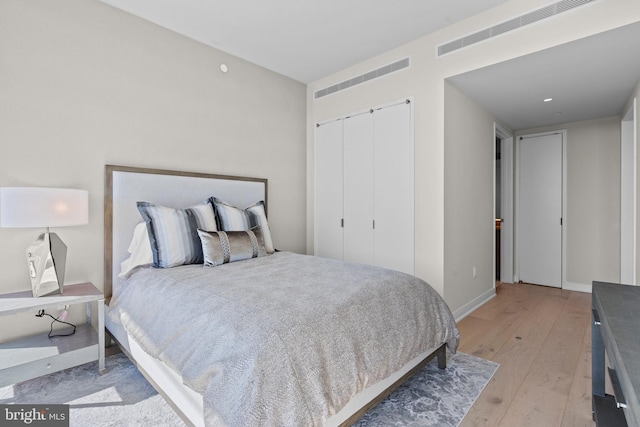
pixel 374 74
pixel 512 24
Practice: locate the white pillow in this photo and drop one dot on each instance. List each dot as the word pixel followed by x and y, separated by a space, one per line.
pixel 140 250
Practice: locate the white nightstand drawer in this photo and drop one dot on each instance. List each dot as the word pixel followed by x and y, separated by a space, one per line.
pixel 36 368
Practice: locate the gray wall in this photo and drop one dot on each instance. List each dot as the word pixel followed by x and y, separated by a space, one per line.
pixel 468 198
pixel 83 85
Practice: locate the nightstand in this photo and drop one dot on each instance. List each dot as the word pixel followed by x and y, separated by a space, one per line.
pixel 30 357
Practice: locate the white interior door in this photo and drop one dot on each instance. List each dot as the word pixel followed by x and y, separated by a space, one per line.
pixel 540 209
pixel 358 189
pixel 393 188
pixel 328 190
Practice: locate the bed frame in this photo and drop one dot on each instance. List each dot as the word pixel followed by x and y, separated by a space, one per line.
pixel 124 186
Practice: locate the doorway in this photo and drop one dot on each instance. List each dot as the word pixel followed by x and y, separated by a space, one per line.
pixel 540 208
pixel 498 204
pixel 503 206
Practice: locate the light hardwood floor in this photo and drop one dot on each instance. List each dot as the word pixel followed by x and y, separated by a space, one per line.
pixel 541 337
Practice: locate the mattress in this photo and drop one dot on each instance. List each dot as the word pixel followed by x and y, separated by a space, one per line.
pixel 281 340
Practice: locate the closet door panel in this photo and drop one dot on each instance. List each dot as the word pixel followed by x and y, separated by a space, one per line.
pixel 358 188
pixel 329 190
pixel 394 188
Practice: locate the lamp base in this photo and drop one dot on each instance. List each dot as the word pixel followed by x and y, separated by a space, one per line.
pixel 46 259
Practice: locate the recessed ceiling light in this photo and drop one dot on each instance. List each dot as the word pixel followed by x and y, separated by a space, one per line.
pixel 224 68
pixel 548 99
pixel 559 113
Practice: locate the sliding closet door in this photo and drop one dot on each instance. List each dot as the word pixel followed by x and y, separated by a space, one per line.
pixel 328 190
pixel 394 188
pixel 358 188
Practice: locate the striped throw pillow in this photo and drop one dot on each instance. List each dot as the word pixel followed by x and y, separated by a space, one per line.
pixel 173 233
pixel 231 218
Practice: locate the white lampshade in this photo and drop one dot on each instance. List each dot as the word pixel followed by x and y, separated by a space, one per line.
pixel 43 207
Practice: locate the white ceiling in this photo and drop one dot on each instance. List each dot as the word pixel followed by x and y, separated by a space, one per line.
pixel 587 79
pixel 306 41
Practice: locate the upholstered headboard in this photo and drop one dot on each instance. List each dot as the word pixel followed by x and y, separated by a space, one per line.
pixel 124 186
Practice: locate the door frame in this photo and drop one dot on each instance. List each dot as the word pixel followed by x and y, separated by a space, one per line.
pixel 506 203
pixel 628 182
pixel 519 138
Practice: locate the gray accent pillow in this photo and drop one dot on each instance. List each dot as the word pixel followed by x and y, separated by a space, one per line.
pixel 221 247
pixel 231 218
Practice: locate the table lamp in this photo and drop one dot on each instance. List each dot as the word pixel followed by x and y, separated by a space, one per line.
pixel 44 207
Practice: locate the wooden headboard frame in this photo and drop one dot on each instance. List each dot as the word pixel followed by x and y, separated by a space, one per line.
pixel 125 185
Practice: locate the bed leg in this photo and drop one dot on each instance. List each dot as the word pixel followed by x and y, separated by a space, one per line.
pixel 442 357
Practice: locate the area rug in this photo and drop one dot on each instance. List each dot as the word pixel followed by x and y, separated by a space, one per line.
pixel 122 397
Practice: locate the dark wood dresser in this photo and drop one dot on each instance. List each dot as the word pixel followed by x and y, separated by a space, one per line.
pixel 616 331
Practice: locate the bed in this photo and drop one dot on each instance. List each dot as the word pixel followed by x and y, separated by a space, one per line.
pixel 249 335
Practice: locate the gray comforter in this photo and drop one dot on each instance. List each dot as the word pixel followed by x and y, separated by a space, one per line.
pixel 283 340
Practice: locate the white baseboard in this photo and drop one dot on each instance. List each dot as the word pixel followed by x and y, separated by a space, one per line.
pixel 580 287
pixel 466 309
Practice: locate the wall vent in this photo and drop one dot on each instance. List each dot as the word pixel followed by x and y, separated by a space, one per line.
pixel 374 74
pixel 512 24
